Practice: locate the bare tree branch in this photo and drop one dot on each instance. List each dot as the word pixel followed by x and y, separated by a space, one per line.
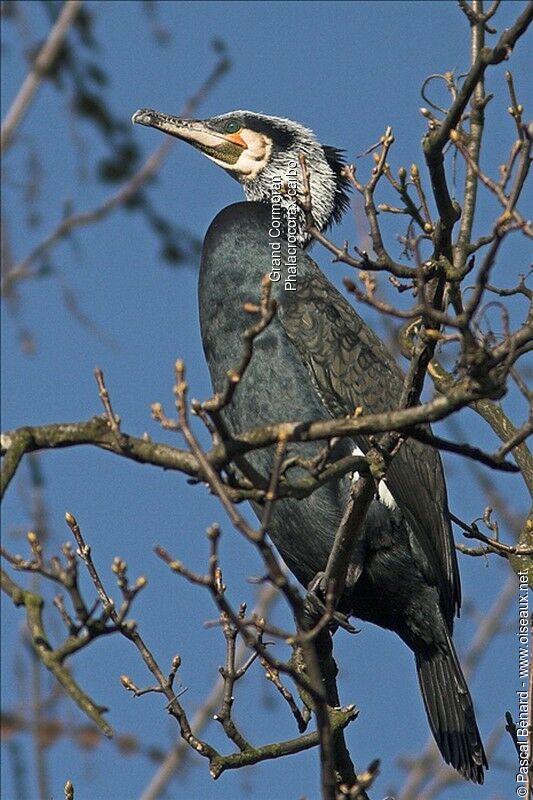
pixel 150 167
pixel 40 67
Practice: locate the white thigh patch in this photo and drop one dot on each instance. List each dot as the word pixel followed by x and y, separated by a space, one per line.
pixel 384 494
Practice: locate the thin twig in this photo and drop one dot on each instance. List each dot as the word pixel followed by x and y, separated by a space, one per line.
pixel 472 532
pixel 114 422
pixel 40 67
pixel 118 198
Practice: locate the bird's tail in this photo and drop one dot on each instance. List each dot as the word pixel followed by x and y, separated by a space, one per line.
pixel 450 711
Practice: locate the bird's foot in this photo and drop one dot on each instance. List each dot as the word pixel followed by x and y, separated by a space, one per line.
pixel 315 608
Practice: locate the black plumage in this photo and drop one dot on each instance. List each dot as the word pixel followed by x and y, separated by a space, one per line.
pixel 317 360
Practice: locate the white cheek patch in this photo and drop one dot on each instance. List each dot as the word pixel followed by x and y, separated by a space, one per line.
pixel 384 494
pixel 246 165
pixel 256 156
pixel 252 160
pixel 257 146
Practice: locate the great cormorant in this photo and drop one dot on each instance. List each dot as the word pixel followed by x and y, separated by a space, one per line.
pixel 317 360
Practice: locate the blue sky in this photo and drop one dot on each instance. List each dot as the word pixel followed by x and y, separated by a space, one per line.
pixel 347 70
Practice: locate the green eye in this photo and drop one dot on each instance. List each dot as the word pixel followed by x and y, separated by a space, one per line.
pixel 232 126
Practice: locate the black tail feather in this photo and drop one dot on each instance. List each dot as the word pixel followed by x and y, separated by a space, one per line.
pixel 450 711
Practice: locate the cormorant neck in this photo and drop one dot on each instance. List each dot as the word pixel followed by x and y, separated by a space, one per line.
pixel 280 185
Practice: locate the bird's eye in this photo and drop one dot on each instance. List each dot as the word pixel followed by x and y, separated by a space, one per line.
pixel 232 126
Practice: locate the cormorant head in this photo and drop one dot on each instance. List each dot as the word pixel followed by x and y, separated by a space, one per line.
pixel 261 152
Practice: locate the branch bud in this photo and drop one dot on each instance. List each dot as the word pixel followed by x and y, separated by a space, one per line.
pixel 213 532
pixel 128 683
pixel 118 566
pixel 176 663
pixel 157 411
